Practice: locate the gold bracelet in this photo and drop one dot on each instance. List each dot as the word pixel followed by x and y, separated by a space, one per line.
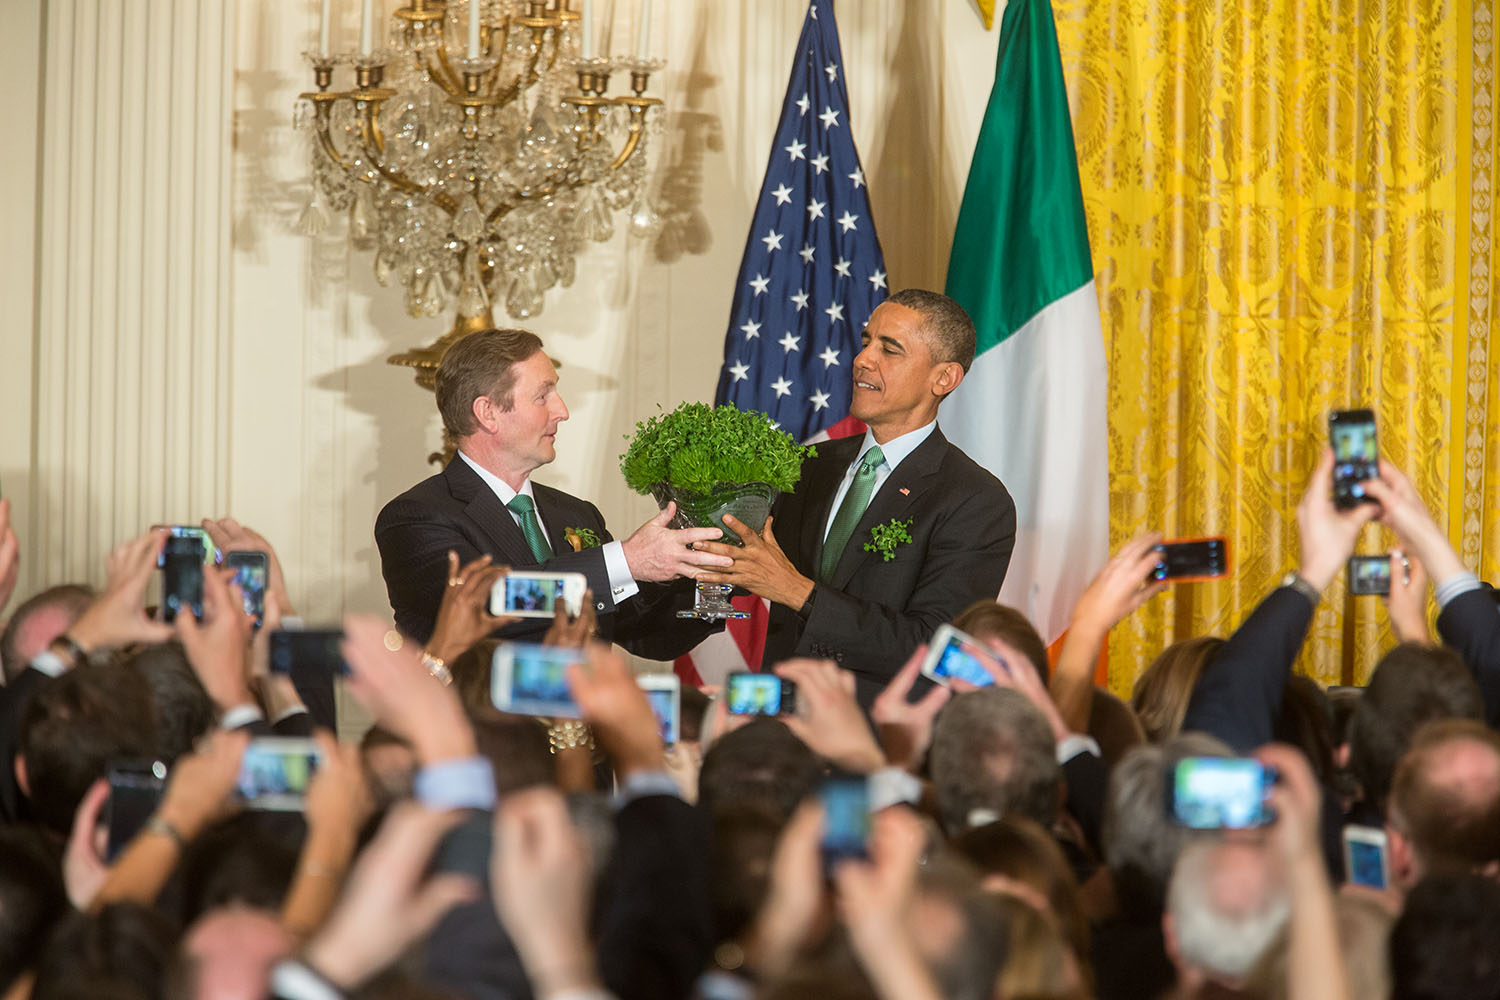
pixel 569 734
pixel 437 668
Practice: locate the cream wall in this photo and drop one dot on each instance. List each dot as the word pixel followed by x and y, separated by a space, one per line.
pixel 170 348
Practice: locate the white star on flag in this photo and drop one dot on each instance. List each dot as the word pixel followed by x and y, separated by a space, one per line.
pixel 739 370
pixel 772 240
pixel 820 163
pixel 815 209
pixel 795 150
pixel 842 267
pixel 789 343
pixel 830 357
pixel 783 195
pixel 848 220
pixel 800 299
pixel 807 253
pixel 835 312
pixel 830 118
pixel 782 386
pixel 818 399
pixel 751 329
pixel 760 283
pixel 878 279
pixel 832 70
pixel 803 104
pixel 858 177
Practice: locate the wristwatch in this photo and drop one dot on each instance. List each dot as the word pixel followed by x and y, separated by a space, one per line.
pixel 1299 583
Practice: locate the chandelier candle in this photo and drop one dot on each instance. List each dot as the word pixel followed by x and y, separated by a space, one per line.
pixel 643 31
pixel 367 28
pixel 474 29
pixel 325 26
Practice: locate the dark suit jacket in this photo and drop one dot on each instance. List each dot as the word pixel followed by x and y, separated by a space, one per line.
pixel 872 613
pixel 1470 624
pixel 14 697
pixel 457 510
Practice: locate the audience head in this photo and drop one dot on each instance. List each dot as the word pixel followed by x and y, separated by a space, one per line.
pixel 1161 693
pixel 183 709
pixel 245 860
pixel 228 954
pixel 743 844
pixel 40 619
pixel 517 749
pixel 1141 842
pixel 32 901
pixel 994 757
pixel 121 952
pixel 1113 725
pixel 1444 808
pixel 958 929
pixel 1443 944
pixel 1018 858
pixel 482 365
pixel 72 728
pixel 1006 631
pixel 1412 684
pixel 389 765
pixel 759 763
pixel 1364 929
pixel 1305 721
pixel 1226 903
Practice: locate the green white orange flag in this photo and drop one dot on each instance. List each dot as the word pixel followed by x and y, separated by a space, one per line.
pixel 1032 409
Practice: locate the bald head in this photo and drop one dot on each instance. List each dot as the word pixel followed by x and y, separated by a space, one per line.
pixel 1445 797
pixel 230 951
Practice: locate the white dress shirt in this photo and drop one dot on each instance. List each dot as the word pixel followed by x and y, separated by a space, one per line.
pixel 894 451
pixel 622 585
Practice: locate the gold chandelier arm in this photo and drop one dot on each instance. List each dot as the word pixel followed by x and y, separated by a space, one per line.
pixel 442 74
pixel 374 143
pixel 632 141
pixel 325 139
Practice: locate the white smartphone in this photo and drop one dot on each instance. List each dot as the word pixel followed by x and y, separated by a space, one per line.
pixel 664 692
pixel 947 659
pixel 527 679
pixel 1367 857
pixel 535 595
pixel 275 772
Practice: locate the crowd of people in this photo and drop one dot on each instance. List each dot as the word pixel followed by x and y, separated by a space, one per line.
pixel 1020 841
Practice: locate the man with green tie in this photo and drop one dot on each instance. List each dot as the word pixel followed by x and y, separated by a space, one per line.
pixel 497 393
pixel 890 535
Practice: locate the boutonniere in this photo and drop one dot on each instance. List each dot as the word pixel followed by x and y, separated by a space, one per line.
pixel 885 537
pixel 581 538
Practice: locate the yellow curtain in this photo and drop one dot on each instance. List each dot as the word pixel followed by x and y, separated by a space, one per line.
pixel 1277 203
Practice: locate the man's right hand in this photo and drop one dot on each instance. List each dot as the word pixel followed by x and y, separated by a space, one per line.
pixel 656 553
pixel 118 616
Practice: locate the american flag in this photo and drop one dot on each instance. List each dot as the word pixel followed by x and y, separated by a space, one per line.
pixel 811 275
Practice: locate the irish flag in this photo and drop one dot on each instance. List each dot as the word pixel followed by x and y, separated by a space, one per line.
pixel 1032 409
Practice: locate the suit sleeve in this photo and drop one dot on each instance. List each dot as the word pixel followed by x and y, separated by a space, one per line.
pixel 1238 694
pixel 1470 624
pixel 967 554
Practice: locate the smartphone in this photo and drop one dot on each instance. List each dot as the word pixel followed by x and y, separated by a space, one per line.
pixel 664 692
pixel 1186 559
pixel 211 555
pixel 760 694
pixel 846 819
pixel 251 570
pixel 275 772
pixel 1355 458
pixel 1366 857
pixel 1369 575
pixel 947 659
pixel 533 680
pixel 314 648
pixel 182 578
pixel 135 790
pixel 535 595
pixel 1220 793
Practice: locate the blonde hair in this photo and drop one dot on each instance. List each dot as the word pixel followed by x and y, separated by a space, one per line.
pixel 1161 694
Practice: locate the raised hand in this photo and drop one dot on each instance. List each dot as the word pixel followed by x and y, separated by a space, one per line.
pixel 118 615
pixel 387 676
pixel 464 617
pixel 614 704
pixel 1407 601
pixel 828 718
pixel 1121 586
pixel 568 631
pixel 84 868
pixel 1327 533
pixel 1402 510
pixel 228 535
pixel 905 727
pixel 655 552
pixel 218 648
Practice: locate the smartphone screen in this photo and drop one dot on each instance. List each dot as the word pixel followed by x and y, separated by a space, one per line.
pixel 312 650
pixel 533 680
pixel 135 790
pixel 1355 458
pixel 1369 575
pixel 846 818
pixel 1220 793
pixel 182 578
pixel 948 660
pixel 211 555
pixel 760 694
pixel 250 572
pixel 1192 559
pixel 275 772
pixel 536 595
pixel 665 702
pixel 1365 857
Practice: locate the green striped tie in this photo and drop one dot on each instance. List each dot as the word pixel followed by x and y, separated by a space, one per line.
pixel 523 508
pixel 851 510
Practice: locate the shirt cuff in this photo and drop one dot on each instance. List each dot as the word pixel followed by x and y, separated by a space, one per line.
pixel 1459 583
pixel 622 585
pixel 292 980
pixel 891 786
pixel 49 663
pixel 237 716
pixel 289 712
pixel 465 783
pixel 717 984
pixel 1071 746
pixel 644 784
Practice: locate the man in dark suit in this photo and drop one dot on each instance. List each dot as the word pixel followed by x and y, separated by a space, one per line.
pixel 497 393
pixel 835 592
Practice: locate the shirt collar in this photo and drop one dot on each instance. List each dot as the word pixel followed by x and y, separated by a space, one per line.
pixel 896 448
pixel 499 486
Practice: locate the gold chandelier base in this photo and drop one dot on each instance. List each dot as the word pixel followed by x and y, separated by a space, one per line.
pixel 426 359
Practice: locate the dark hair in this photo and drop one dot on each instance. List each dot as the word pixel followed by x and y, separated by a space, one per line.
pixel 1450 822
pixel 73 727
pixel 743 843
pixel 694 708
pixel 1412 684
pixel 124 950
pixel 992 749
pixel 32 900
pixel 517 749
pixel 249 859
pixel 761 762
pixel 990 620
pixel 183 709
pixel 1443 945
pixel 72 598
pixel 1161 694
pixel 946 324
pixel 1022 851
pixel 481 364
pixel 1305 721
pixel 1113 725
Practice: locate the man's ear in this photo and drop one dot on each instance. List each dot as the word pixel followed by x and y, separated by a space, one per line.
pixel 484 409
pixel 22 782
pixel 1402 859
pixel 949 375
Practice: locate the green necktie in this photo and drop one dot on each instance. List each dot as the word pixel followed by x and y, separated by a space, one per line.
pixel 522 507
pixel 851 510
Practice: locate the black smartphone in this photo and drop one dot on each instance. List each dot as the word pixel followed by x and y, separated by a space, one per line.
pixel 1220 793
pixel 182 577
pixel 760 694
pixel 1355 457
pixel 1186 559
pixel 313 649
pixel 135 790
pixel 846 818
pixel 211 554
pixel 1369 575
pixel 251 570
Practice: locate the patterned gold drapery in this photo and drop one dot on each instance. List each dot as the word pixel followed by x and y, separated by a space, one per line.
pixel 1289 212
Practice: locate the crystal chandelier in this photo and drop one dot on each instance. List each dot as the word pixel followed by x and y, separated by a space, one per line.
pixel 478 178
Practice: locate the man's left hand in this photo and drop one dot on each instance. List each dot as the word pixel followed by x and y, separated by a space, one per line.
pixel 760 567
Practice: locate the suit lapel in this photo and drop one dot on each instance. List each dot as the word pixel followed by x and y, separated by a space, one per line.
pixel 823 483
pixel 491 516
pixel 890 503
pixel 549 507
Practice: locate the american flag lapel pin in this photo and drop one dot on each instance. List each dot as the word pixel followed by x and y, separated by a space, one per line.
pixel 905 492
